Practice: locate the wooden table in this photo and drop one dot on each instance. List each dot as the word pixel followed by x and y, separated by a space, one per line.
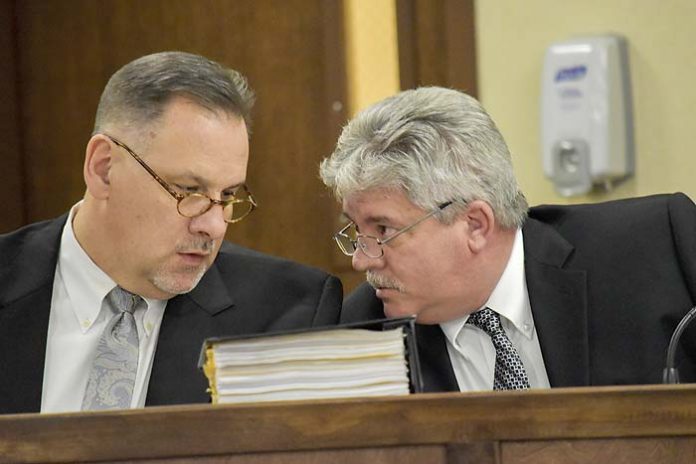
pixel 572 425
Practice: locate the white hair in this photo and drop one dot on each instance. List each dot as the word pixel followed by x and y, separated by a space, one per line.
pixel 436 145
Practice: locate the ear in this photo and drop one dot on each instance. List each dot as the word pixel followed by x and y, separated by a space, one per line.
pixel 98 156
pixel 481 224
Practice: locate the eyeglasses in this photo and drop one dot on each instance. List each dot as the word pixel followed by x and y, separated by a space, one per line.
pixel 349 239
pixel 194 204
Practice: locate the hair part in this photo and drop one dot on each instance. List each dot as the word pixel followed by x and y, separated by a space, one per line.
pixel 137 95
pixel 434 144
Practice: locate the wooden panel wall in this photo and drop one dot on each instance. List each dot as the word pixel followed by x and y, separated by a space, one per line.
pixel 437 44
pixel 291 51
pixel 57 56
pixel 12 206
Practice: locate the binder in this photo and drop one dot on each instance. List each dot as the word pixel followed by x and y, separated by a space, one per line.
pixel 407 325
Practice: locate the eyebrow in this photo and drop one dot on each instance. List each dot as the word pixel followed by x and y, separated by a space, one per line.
pixel 188 175
pixel 375 219
pixel 371 219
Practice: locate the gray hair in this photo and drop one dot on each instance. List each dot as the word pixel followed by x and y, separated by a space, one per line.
pixel 436 145
pixel 138 93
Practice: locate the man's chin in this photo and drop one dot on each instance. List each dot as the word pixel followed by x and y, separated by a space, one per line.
pixel 178 284
pixel 394 310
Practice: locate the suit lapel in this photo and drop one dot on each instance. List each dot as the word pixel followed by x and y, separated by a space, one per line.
pixel 211 294
pixel 187 321
pixel 436 367
pixel 24 315
pixel 25 324
pixel 558 298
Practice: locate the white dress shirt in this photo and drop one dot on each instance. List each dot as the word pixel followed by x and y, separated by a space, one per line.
pixel 471 350
pixel 77 319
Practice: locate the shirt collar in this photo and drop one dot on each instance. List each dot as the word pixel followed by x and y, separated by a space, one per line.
pixel 85 283
pixel 510 298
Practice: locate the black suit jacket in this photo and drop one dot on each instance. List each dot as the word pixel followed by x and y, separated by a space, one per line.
pixel 243 292
pixel 608 284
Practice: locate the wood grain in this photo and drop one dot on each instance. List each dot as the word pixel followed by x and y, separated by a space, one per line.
pixel 677 450
pixel 411 454
pixel 12 206
pixel 549 417
pixel 437 44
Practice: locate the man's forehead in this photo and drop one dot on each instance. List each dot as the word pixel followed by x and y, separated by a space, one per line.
pixel 377 204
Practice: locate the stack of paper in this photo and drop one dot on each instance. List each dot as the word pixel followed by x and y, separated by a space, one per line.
pixel 334 363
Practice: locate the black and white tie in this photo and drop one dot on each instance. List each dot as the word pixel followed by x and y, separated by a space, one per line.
pixel 509 370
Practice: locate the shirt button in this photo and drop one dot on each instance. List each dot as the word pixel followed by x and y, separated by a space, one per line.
pixel 148 326
pixel 86 323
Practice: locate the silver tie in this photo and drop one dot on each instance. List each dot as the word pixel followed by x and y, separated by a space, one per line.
pixel 112 377
pixel 510 373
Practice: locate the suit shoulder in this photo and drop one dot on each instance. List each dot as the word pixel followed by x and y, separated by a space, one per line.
pixel 290 293
pixel 362 305
pixel 28 257
pixel 12 238
pixel 239 257
pixel 664 224
pixel 624 212
pixel 682 208
pixel 42 233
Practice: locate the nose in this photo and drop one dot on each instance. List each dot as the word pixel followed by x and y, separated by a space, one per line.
pixel 361 262
pixel 210 223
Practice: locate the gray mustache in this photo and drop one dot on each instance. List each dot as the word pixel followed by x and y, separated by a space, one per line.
pixel 201 245
pixel 379 281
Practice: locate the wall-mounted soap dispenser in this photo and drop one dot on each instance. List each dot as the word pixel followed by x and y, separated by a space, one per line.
pixel 586 114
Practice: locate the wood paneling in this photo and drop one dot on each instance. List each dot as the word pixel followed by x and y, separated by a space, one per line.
pixel 583 425
pixel 402 454
pixel 437 44
pixel 673 450
pixel 12 211
pixel 291 51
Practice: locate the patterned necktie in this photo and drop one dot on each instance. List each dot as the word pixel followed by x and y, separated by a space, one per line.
pixel 509 370
pixel 111 380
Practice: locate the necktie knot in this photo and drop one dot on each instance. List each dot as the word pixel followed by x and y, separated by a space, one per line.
pixel 486 320
pixel 123 300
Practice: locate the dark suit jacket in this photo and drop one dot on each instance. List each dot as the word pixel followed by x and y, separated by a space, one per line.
pixel 608 284
pixel 243 292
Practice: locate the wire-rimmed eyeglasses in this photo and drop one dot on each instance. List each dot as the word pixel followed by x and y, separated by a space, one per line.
pixel 194 204
pixel 349 239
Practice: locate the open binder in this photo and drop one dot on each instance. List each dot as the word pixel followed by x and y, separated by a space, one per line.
pixel 372 358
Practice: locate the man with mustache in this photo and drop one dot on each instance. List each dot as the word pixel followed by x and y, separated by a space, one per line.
pixel 506 297
pixel 107 306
